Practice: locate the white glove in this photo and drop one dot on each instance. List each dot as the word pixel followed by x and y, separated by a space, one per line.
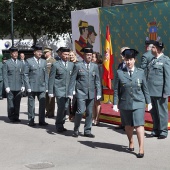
pixel 7 89
pixel 98 97
pixel 115 108
pixel 149 106
pixel 46 91
pixel 22 89
pixel 29 90
pixel 165 95
pixel 51 95
pixel 71 97
pixel 74 92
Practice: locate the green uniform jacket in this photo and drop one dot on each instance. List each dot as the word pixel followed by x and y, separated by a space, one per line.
pixel 13 75
pixel 159 77
pixel 131 92
pixel 36 76
pixel 85 82
pixel 145 60
pixel 59 78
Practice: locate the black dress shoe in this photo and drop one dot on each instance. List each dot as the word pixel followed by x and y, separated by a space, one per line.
pixel 89 135
pixel 17 120
pixel 162 137
pixel 50 116
pixel 140 155
pixel 62 129
pixel 43 124
pixel 153 135
pixel 31 124
pixel 12 120
pixel 130 149
pixel 75 134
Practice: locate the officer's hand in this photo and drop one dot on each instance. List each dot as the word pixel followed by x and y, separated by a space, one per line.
pixel 22 89
pixel 149 106
pixel 71 97
pixel 115 108
pixel 29 90
pixel 165 96
pixel 74 92
pixel 51 95
pixel 98 97
pixel 7 89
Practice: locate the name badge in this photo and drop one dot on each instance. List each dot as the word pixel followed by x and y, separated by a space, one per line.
pixel 159 63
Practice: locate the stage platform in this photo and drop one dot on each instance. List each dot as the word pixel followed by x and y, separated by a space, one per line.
pixel 109 116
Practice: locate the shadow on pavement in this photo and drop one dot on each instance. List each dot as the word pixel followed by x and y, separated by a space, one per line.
pixel 118 148
pixel 112 127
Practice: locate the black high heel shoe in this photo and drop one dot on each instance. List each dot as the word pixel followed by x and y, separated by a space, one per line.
pixel 140 155
pixel 131 149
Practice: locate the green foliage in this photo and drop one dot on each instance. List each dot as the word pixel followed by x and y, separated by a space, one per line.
pixel 41 17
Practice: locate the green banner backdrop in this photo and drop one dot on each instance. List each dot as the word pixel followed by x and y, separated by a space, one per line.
pixel 129 26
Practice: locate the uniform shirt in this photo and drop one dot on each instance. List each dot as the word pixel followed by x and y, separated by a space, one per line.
pixel 131 70
pixel 37 60
pixel 15 61
pixel 64 63
pixel 87 65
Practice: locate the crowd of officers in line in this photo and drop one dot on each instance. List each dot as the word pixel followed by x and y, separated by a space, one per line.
pixel 77 85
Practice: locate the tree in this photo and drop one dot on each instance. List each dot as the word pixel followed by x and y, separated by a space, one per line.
pixel 41 17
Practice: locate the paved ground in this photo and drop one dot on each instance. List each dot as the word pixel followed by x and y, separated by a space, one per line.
pixel 24 148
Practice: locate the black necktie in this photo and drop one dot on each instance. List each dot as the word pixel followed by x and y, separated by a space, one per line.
pixel 87 66
pixel 38 62
pixel 130 72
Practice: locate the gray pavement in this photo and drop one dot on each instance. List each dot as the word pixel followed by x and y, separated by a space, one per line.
pixel 23 147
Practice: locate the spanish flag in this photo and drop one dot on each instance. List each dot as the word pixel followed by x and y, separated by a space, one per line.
pixel 108 61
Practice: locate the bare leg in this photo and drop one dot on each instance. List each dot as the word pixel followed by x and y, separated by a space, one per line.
pixel 140 135
pixel 94 112
pixel 98 107
pixel 129 132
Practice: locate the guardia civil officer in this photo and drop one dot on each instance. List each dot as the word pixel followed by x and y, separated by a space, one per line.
pixel 13 84
pixel 85 78
pixel 50 102
pixel 36 82
pixel 58 85
pixel 159 88
pixel 131 94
